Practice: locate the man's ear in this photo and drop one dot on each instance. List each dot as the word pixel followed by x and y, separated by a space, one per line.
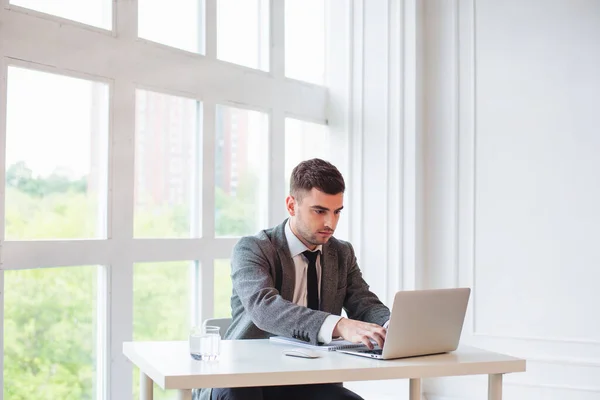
pixel 290 204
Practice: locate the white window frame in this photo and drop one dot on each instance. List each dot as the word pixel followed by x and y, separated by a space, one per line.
pixel 50 43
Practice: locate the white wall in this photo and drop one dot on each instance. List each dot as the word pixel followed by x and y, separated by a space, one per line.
pixel 383 156
pixel 382 192
pixel 512 185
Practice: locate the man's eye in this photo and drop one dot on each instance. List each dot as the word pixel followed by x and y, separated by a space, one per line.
pixel 320 211
pixel 338 211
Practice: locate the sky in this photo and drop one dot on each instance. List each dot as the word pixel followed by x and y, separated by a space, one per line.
pixel 45 111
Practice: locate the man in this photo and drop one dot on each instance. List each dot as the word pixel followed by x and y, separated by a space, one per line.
pixel 293 280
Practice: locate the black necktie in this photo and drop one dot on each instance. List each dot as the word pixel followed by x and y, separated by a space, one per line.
pixel 312 284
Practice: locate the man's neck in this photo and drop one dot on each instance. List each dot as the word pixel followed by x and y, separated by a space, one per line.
pixel 309 246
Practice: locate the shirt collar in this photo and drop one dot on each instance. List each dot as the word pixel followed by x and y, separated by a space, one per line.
pixel 295 245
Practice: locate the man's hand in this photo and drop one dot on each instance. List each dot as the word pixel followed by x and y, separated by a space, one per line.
pixel 357 331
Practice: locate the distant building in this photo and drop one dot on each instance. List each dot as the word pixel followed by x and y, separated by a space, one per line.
pixel 165 145
pixel 166 142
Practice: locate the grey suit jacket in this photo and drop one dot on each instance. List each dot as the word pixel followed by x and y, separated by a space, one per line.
pixel 263 276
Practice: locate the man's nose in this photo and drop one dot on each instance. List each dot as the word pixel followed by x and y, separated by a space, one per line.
pixel 328 221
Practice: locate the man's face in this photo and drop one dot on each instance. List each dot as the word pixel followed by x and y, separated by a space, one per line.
pixel 315 217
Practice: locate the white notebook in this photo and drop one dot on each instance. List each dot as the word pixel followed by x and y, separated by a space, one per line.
pixel 336 344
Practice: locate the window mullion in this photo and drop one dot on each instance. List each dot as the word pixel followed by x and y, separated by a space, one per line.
pixel 277 167
pixel 3 96
pixel 208 169
pixel 211 29
pixel 277 120
pixel 205 274
pixel 277 39
pixel 125 21
pixel 207 289
pixel 120 233
pixel 3 113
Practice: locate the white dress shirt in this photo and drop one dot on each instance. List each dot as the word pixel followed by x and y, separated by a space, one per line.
pixel 300 289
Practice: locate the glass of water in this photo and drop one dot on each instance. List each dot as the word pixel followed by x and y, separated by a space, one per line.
pixel 205 342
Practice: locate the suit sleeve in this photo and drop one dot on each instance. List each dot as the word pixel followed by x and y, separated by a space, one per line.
pixel 268 310
pixel 360 303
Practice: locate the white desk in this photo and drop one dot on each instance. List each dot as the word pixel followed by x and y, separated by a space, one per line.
pixel 261 363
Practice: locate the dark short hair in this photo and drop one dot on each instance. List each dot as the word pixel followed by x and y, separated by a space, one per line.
pixel 316 173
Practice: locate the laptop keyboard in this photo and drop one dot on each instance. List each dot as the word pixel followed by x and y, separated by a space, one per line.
pixel 376 351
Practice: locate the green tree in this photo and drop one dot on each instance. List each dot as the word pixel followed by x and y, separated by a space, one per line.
pixel 50 320
pixel 20 176
pixel 236 215
pixel 161 304
pixel 49 333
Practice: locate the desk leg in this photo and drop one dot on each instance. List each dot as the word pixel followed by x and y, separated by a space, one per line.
pixel 184 394
pixel 146 386
pixel 415 389
pixel 495 387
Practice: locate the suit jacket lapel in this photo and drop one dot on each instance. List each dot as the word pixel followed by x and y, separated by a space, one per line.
pixel 288 279
pixel 329 278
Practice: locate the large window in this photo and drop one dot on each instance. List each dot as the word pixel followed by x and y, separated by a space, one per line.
pixel 51 323
pixel 163 295
pixel 54 191
pixel 305 40
pixel 141 140
pixel 303 141
pixel 167 174
pixel 243 32
pixel 177 23
pixel 240 171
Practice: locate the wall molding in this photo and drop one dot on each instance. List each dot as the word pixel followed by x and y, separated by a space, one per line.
pixel 464 107
pixel 383 143
pixel 545 386
pixel 467 95
pixel 564 362
pixel 482 382
pixel 538 339
pixel 394 153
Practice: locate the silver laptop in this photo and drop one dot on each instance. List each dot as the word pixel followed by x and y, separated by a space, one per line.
pixel 422 322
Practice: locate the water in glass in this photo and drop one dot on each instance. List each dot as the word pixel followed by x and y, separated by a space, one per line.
pixel 205 343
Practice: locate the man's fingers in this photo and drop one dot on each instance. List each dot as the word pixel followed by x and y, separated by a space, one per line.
pixel 377 333
pixel 362 332
pixel 378 338
pixel 374 335
pixel 367 342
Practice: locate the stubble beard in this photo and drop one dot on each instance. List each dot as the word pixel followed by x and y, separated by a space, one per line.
pixel 310 237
